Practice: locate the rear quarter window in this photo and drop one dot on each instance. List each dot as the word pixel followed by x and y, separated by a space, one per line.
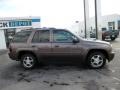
pixel 21 36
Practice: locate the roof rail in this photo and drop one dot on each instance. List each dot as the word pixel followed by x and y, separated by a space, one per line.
pixel 52 28
pixel 44 28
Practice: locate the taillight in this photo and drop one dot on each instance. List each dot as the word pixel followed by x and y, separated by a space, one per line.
pixel 10 49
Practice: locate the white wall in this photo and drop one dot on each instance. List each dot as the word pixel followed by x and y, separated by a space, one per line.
pixel 2 36
pixel 103 23
pixel 2 40
pixel 36 25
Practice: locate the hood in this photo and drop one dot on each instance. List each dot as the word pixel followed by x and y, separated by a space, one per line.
pixel 96 41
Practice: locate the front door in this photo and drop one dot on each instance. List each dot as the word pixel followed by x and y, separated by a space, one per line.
pixel 63 45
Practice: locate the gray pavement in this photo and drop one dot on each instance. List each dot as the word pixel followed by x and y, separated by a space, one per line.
pixel 116 43
pixel 3 51
pixel 52 77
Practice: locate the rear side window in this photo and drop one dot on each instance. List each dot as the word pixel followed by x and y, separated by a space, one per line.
pixel 21 36
pixel 42 36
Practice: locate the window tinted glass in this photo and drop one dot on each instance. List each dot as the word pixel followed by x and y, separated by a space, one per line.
pixel 22 36
pixel 111 25
pixel 119 25
pixel 62 36
pixel 41 36
pixel 104 29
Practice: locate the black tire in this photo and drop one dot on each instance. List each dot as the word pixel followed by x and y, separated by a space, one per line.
pixel 30 63
pixel 113 38
pixel 92 61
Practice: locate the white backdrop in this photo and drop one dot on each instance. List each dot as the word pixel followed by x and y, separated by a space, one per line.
pixel 2 40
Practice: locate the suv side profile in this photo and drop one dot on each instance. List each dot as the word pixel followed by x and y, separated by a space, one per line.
pixel 28 46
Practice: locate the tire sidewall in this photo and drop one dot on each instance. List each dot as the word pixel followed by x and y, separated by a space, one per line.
pixel 29 55
pixel 112 38
pixel 91 55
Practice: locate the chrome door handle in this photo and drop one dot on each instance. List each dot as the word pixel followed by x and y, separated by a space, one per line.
pixel 33 46
pixel 56 45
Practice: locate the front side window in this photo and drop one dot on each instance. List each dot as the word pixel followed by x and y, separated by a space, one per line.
pixel 104 29
pixel 62 36
pixel 21 36
pixel 41 36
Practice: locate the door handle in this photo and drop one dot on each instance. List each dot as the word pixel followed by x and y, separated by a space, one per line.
pixel 33 46
pixel 56 45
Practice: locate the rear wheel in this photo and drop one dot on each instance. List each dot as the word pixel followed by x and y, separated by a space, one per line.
pixel 28 61
pixel 96 60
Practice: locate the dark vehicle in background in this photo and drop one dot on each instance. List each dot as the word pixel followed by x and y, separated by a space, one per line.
pixel 111 34
pixel 92 35
pixel 107 34
pixel 31 46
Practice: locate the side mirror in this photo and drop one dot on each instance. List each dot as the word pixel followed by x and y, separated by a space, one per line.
pixel 75 41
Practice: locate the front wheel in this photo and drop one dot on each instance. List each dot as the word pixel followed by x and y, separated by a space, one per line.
pixel 28 61
pixel 96 60
pixel 113 38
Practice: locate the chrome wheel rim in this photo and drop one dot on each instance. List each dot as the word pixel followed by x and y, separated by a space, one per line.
pixel 97 61
pixel 28 61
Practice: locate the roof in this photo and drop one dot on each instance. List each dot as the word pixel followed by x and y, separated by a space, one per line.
pixel 33 29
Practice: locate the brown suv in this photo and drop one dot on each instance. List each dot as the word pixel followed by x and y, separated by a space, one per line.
pixel 29 46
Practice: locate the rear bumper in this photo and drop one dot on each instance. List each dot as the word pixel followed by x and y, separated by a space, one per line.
pixel 111 56
pixel 12 56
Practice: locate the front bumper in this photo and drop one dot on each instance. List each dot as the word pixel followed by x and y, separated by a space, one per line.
pixel 111 56
pixel 110 36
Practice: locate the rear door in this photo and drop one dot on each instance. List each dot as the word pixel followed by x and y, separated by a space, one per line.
pixel 41 42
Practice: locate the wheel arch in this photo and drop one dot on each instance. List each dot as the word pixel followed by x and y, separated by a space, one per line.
pixel 97 50
pixel 26 52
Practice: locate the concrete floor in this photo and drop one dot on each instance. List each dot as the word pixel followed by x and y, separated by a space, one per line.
pixel 51 77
